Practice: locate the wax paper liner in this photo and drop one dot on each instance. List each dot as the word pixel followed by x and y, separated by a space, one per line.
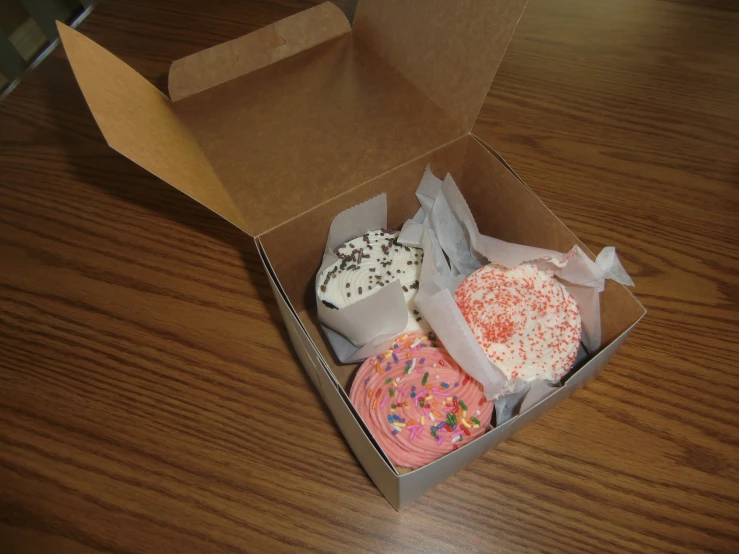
pixel 368 326
pixel 454 248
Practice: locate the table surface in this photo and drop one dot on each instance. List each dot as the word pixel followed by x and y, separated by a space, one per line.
pixel 134 323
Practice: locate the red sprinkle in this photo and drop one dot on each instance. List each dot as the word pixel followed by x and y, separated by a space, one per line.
pixel 466 431
pixel 496 330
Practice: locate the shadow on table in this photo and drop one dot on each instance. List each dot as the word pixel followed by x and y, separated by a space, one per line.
pixel 93 162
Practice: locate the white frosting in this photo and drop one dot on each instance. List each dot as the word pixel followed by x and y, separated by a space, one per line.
pixel 368 263
pixel 525 320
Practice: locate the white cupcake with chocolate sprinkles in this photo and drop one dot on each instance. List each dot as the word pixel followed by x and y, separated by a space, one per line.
pixel 368 263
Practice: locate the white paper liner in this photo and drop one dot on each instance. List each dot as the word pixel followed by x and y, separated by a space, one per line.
pixel 451 230
pixel 368 326
pixel 444 226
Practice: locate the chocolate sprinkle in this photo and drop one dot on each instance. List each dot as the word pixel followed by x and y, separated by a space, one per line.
pixel 354 259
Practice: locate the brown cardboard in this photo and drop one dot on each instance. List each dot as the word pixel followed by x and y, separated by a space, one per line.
pixel 285 38
pixel 299 132
pixel 285 139
pixel 449 50
pixel 484 180
pixel 137 120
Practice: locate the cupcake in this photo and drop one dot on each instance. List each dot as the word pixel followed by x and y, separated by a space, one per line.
pixel 368 263
pixel 525 320
pixel 418 403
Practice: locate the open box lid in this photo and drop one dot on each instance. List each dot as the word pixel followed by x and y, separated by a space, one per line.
pixel 265 127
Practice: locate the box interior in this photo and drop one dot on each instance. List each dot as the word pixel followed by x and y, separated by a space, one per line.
pixel 502 205
pixel 298 132
pixel 291 125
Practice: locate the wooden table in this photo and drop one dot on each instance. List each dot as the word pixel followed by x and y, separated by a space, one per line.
pixel 137 330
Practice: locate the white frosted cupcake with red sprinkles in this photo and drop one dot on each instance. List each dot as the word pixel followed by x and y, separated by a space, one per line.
pixel 525 320
pixel 418 403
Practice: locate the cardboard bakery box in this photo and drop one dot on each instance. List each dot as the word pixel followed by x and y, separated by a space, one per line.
pixel 280 130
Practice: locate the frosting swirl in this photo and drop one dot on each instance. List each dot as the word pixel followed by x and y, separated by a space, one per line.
pixel 368 263
pixel 525 320
pixel 418 403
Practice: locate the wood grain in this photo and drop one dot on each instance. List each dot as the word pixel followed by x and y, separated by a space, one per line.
pixel 141 351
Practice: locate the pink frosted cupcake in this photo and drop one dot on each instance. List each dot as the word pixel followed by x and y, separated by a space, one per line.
pixel 418 403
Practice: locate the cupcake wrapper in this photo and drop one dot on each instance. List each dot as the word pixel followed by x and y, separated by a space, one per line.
pixel 368 326
pixel 450 232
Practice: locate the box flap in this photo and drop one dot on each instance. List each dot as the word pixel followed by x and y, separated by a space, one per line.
pixel 137 120
pixel 267 45
pixel 296 133
pixel 450 50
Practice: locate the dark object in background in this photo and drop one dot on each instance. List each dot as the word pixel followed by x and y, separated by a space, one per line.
pixel 28 33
